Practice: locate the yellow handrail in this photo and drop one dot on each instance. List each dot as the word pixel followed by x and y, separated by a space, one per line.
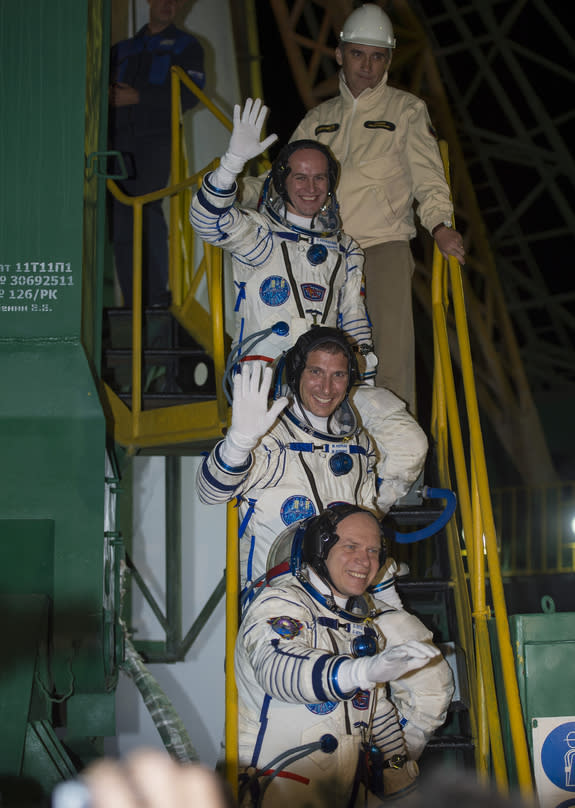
pixel 207 327
pixel 232 625
pixel 478 528
pixel 180 74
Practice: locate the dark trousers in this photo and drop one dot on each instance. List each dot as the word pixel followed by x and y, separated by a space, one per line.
pixel 148 165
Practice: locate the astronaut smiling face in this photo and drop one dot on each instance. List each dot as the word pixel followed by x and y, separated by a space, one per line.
pixel 323 383
pixel 353 561
pixel 307 183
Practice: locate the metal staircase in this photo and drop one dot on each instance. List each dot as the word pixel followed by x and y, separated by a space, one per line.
pixel 159 379
pixel 176 368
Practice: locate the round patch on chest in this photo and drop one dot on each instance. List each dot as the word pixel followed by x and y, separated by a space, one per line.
pixel 296 508
pixel 323 708
pixel 340 464
pixel 317 254
pixel 275 290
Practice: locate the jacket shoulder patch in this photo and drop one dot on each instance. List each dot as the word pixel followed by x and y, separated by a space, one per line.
pixel 326 127
pixel 286 627
pixel 389 125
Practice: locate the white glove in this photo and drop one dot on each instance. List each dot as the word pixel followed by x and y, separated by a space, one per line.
pixel 370 369
pixel 394 663
pixel 250 415
pixel 244 142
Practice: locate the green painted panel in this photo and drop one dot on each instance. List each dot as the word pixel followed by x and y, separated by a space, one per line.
pixel 549 669
pixel 53 82
pixel 23 539
pixel 544 647
pixel 43 85
pixel 52 431
pixel 45 759
pixel 95 230
pixel 23 623
pixel 91 714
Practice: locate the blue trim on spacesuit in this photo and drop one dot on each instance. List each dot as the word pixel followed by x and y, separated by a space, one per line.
pixel 335 684
pixel 324 436
pixel 329 603
pixel 212 208
pixel 233 469
pixel 262 730
pixel 215 483
pixel 328 448
pixel 213 189
pixel 247 516
pixel 317 677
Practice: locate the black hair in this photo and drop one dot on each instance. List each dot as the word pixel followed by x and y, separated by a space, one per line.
pixel 315 338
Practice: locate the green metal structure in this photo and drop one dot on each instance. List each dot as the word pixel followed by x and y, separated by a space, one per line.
pixel 58 546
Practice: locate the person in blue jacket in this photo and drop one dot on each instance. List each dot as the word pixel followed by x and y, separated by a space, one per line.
pixel 140 128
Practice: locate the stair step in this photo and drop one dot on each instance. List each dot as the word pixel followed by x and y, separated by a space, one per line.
pixel 154 401
pixel 413 515
pixel 159 354
pixel 451 742
pixel 176 368
pixel 160 330
pixel 423 585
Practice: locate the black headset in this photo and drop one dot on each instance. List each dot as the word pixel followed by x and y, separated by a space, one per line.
pixel 320 535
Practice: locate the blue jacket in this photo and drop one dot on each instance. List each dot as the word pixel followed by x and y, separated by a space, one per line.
pixel 144 63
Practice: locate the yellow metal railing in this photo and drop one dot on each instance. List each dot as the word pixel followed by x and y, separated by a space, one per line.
pixel 232 625
pixel 183 283
pixel 478 530
pixel 185 423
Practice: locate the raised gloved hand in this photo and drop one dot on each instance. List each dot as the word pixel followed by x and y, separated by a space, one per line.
pixel 393 663
pixel 251 418
pixel 245 141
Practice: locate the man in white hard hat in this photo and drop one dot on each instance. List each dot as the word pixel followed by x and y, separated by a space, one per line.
pixel 389 157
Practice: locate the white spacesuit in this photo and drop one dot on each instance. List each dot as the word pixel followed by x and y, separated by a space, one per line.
pixel 279 290
pixel 302 464
pixel 296 472
pixel 289 272
pixel 305 719
pixel 293 272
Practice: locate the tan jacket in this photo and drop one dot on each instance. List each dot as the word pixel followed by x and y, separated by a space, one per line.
pixel 389 156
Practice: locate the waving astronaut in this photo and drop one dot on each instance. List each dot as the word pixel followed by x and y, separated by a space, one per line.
pixel 288 461
pixel 293 266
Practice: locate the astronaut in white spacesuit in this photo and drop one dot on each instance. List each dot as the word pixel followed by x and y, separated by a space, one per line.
pixel 288 464
pixel 312 658
pixel 293 266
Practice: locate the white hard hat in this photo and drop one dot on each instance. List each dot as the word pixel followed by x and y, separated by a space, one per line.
pixel 368 25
